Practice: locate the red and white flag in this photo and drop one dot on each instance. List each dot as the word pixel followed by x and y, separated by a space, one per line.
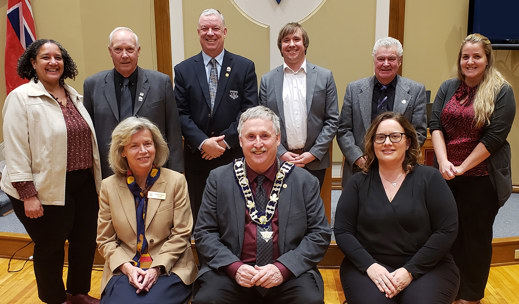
pixel 20 34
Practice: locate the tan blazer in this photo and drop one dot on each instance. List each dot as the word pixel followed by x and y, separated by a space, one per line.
pixel 168 226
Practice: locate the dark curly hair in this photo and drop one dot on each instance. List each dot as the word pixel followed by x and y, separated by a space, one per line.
pixel 411 155
pixel 26 71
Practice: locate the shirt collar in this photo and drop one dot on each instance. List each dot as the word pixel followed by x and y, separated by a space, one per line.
pixel 119 78
pixel 207 58
pixel 391 84
pixel 270 174
pixel 303 67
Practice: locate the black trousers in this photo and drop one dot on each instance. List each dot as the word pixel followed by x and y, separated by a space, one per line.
pixel 215 287
pixel 75 222
pixel 196 180
pixel 320 174
pixel 477 204
pixel 438 286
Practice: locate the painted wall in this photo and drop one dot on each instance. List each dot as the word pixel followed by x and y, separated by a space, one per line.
pixel 341 38
pixel 431 43
pixel 82 27
pixel 341 34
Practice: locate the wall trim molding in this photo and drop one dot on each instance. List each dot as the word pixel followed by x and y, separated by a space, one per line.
pixel 503 250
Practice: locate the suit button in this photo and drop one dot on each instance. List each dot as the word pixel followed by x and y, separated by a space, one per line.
pixel 212 133
pixel 209 115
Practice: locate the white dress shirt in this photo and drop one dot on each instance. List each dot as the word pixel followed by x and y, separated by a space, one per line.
pixel 294 105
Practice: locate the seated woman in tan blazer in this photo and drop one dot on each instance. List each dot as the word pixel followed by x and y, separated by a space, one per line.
pixel 145 221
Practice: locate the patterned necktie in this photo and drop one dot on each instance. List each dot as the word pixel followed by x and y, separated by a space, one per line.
pixel 126 101
pixel 263 234
pixel 382 102
pixel 213 82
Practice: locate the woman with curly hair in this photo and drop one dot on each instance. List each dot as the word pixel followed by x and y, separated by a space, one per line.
pixel 52 171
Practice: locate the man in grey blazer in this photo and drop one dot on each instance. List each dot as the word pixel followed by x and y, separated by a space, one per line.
pixel 368 97
pixel 128 90
pixel 304 97
pixel 254 253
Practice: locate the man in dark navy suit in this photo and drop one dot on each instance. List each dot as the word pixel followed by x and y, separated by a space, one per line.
pixel 212 89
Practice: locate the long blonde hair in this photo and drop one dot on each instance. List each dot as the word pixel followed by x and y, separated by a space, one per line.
pixel 489 86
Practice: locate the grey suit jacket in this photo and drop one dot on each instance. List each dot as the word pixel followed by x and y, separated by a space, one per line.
pixel 322 108
pixel 355 116
pixel 154 101
pixel 304 232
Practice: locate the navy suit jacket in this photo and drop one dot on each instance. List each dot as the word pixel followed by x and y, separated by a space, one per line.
pixel 237 91
pixel 304 232
pixel 154 100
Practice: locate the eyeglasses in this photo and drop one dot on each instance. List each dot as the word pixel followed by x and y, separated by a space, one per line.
pixel 395 137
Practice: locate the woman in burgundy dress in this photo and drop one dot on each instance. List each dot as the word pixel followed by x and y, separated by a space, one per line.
pixel 471 118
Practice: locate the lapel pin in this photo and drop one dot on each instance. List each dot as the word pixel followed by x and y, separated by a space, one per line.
pixel 284 186
pixel 141 94
pixel 404 101
pixel 226 74
pixel 140 98
pixel 228 69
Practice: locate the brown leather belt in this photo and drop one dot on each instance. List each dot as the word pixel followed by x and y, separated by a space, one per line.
pixel 297 151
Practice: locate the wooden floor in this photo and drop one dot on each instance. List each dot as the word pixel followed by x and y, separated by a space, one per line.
pixel 20 287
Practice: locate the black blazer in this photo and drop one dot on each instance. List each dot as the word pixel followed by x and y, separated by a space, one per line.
pixel 237 91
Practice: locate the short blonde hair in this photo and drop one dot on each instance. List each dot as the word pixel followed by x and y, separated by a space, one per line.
pixel 121 137
pixel 289 29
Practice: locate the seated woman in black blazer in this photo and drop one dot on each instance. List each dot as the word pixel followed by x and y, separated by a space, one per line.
pixel 395 222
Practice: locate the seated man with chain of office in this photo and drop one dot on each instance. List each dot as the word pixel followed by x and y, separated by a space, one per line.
pixel 255 248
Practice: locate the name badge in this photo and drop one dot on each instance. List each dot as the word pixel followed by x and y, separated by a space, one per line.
pixel 157 195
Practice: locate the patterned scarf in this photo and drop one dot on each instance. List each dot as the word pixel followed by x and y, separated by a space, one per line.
pixel 142 258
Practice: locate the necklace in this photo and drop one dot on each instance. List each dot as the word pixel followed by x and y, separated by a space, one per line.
pixel 396 180
pixel 262 219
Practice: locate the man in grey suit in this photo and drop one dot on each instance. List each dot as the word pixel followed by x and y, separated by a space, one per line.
pixel 255 248
pixel 304 97
pixel 127 90
pixel 368 97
